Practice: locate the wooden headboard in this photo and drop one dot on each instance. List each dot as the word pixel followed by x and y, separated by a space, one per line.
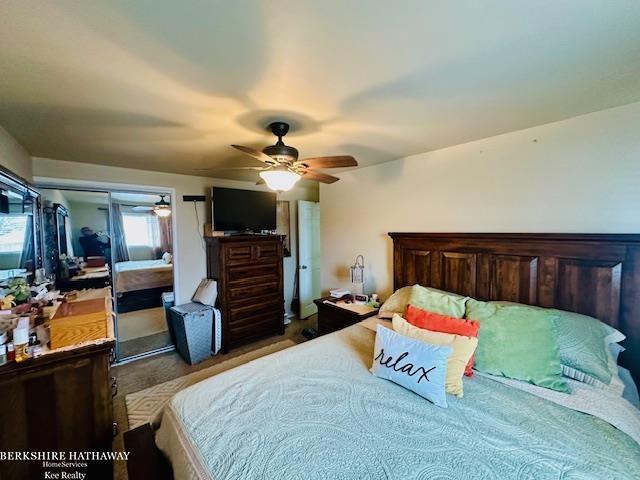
pixel 593 274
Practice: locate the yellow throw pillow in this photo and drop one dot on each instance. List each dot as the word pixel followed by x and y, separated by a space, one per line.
pixel 463 348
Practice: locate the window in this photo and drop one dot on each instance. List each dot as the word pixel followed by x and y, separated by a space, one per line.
pixel 141 230
pixel 13 229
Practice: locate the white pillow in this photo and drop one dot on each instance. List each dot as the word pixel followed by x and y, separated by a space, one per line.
pixel 396 303
pixel 167 257
pixel 417 366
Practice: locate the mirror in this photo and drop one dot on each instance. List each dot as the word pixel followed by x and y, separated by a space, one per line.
pixel 122 240
pixel 19 230
pixel 76 238
pixel 143 268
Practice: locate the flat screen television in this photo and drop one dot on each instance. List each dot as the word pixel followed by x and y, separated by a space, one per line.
pixel 237 210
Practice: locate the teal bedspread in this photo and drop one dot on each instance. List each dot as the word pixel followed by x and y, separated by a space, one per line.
pixel 315 412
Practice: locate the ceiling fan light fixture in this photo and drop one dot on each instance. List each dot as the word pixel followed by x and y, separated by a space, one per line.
pixel 162 208
pixel 283 169
pixel 162 211
pixel 280 179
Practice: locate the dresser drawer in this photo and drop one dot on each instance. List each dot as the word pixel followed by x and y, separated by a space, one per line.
pixel 241 293
pixel 256 306
pixel 246 253
pixel 253 274
pixel 267 251
pixel 239 253
pixel 257 325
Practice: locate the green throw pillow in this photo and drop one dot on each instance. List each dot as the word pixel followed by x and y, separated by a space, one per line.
pixel 584 345
pixel 518 342
pixel 438 301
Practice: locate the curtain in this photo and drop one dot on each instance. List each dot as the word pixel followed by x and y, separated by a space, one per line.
pixel 119 248
pixel 161 231
pixel 165 234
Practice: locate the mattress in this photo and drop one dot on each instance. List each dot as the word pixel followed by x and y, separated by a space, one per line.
pixel 315 411
pixel 142 275
pixel 142 265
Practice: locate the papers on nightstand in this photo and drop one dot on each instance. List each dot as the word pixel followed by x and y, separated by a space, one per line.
pixel 339 292
pixel 359 308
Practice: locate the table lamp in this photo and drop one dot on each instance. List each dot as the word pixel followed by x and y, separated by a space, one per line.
pixel 357 275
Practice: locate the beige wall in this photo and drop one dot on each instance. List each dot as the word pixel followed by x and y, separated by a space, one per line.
pixel 578 175
pixel 14 157
pixel 191 258
pixel 87 214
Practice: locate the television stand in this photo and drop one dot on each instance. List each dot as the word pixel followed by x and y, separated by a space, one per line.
pixel 248 232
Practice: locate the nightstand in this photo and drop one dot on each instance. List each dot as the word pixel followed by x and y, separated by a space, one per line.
pixel 332 317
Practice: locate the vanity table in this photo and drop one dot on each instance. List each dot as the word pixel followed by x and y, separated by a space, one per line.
pixel 61 400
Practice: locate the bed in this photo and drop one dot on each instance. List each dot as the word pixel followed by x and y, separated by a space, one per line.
pixel 255 422
pixel 142 275
pixel 315 411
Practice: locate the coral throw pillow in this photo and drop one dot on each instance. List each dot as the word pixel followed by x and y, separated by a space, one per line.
pixel 444 324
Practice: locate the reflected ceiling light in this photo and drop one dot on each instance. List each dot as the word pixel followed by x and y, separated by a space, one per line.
pixel 280 178
pixel 162 208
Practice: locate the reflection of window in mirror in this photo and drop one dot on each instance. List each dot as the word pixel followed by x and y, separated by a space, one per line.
pixel 14 234
pixel 141 229
pixel 19 252
pixel 141 233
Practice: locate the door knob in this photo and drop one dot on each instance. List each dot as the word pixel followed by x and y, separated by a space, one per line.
pixel 303 267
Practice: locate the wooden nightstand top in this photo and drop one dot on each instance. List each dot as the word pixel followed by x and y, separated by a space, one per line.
pixel 321 303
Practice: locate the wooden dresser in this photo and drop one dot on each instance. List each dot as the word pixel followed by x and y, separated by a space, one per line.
pixel 248 269
pixel 59 402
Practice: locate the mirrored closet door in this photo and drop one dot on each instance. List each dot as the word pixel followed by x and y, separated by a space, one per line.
pixel 117 240
pixel 142 256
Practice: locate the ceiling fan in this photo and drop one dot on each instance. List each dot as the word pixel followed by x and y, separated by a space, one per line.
pixel 162 208
pixel 283 169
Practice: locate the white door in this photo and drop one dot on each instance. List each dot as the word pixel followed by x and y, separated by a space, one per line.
pixel 308 256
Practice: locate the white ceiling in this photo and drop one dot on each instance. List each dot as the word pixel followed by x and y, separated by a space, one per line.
pixel 74 196
pixel 168 85
pixel 81 196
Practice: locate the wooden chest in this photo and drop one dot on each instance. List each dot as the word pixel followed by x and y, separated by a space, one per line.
pixel 60 402
pixel 248 269
pixel 78 322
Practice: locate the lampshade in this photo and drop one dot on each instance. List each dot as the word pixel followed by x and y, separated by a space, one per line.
pixel 357 274
pixel 162 211
pixel 280 179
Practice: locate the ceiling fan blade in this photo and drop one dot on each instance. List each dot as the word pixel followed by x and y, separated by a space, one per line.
pixel 258 155
pixel 329 162
pixel 141 208
pixel 260 182
pixel 318 177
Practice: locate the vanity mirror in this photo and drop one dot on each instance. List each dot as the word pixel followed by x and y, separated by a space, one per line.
pixel 20 246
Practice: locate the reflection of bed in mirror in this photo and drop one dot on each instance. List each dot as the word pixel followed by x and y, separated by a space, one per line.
pixel 136 275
